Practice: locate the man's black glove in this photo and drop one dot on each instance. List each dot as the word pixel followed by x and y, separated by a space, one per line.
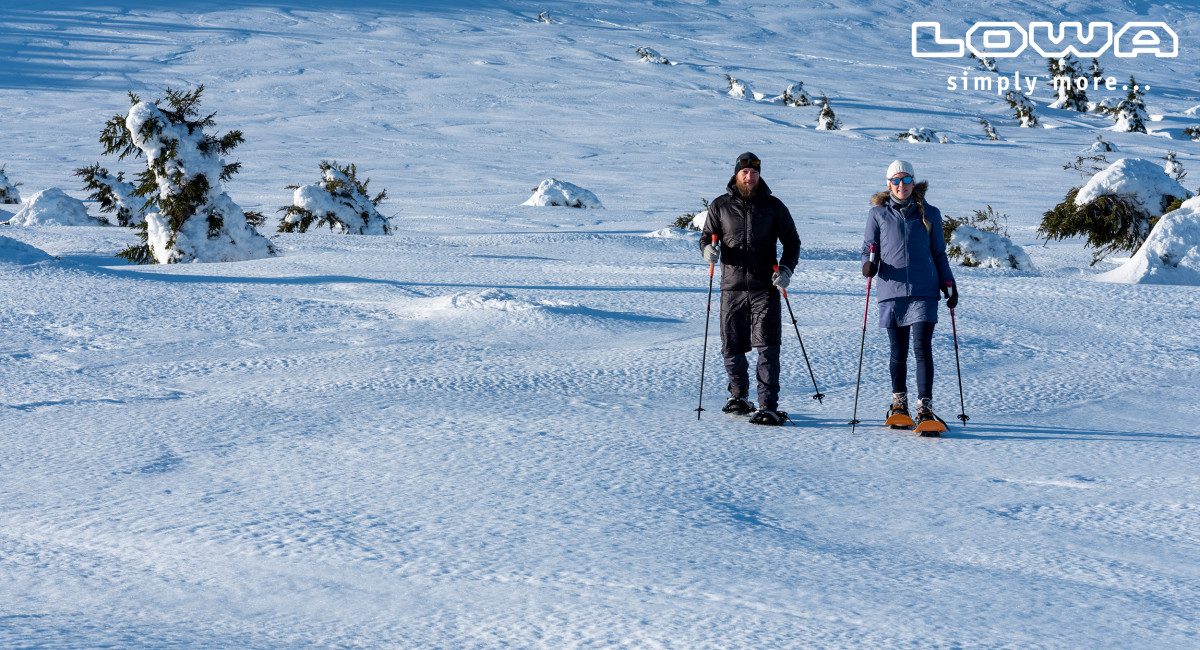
pixel 951 293
pixel 870 269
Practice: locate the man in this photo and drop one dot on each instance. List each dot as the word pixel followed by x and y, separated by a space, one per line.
pixel 748 221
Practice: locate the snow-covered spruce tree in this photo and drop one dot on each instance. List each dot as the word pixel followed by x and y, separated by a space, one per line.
pixel 826 120
pixel 114 195
pixel 339 200
pixel 738 88
pixel 988 130
pixel 688 221
pixel 1193 132
pixel 544 17
pixel 1022 109
pixel 987 63
pixel 794 95
pixel 189 218
pixel 650 56
pixel 1130 113
pixel 8 190
pixel 1115 209
pixel 1064 73
pixel 1173 167
pixel 916 134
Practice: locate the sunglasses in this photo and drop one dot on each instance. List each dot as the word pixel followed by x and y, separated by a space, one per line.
pixel 749 162
pixel 903 179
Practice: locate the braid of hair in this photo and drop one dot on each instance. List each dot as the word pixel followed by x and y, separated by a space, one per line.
pixel 921 208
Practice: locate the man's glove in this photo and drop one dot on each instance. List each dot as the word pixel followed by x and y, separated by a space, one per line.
pixel 870 269
pixel 711 254
pixel 951 293
pixel 781 278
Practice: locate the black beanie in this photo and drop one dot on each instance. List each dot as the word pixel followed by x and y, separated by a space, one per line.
pixel 746 160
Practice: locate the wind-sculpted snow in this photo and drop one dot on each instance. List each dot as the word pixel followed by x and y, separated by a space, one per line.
pixel 480 431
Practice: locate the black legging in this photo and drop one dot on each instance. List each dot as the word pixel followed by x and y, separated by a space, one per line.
pixel 922 333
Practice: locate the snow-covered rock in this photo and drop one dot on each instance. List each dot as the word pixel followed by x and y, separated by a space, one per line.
pixel 1170 255
pixel 989 250
pixel 17 252
pixel 1143 182
pixel 555 192
pixel 53 207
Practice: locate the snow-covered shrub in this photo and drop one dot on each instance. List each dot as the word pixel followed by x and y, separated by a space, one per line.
pixel 1170 255
pixel 692 220
pixel 988 130
pixel 986 220
pixel 1193 132
pixel 1130 113
pixel 917 135
pixel 826 120
pixel 555 192
pixel 1022 109
pixel 794 95
pixel 737 88
pixel 115 196
pixel 987 63
pixel 189 217
pixel 1173 167
pixel 988 250
pixel 1064 74
pixel 53 207
pixel 544 17
pixel 1102 146
pixel 339 200
pixel 1115 209
pixel 8 190
pixel 650 56
pixel 20 253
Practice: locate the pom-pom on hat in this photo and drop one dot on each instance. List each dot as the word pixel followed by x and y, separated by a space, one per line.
pixel 898 166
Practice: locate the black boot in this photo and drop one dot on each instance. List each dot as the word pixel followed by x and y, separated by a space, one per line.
pixel 737 406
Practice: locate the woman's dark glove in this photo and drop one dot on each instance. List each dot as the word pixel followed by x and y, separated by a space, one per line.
pixel 870 269
pixel 951 293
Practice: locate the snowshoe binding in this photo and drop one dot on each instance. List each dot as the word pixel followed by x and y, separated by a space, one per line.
pixel 737 406
pixel 769 417
pixel 897 414
pixel 929 425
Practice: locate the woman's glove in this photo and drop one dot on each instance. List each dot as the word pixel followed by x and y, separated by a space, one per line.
pixel 951 293
pixel 870 269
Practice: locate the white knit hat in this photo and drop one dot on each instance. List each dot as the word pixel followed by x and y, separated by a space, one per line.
pixel 900 166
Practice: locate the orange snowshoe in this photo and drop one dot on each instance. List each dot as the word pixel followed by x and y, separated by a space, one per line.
pixel 897 418
pixel 930 425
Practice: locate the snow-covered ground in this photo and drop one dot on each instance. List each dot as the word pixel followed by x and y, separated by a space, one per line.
pixel 478 432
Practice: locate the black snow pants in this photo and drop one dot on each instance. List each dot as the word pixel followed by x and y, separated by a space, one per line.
pixel 752 319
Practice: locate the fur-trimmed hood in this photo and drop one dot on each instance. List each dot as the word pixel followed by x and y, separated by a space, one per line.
pixel 918 195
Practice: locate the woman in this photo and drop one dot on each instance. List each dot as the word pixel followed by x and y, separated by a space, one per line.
pixel 912 268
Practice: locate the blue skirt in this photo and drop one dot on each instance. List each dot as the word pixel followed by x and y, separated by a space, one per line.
pixel 902 312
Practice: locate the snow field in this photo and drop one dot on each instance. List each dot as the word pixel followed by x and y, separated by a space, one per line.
pixel 478 431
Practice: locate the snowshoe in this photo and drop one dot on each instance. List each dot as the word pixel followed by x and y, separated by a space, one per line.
pixel 737 406
pixel 898 418
pixel 930 425
pixel 769 417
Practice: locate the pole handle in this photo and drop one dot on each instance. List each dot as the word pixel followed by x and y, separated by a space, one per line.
pixel 783 291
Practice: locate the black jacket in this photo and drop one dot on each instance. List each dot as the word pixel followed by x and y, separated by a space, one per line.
pixel 748 230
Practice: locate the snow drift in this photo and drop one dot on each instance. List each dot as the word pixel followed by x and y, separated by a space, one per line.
pixel 53 207
pixel 1170 255
pixel 16 252
pixel 555 192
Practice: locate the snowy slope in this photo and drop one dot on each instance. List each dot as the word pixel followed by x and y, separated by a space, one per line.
pixel 478 432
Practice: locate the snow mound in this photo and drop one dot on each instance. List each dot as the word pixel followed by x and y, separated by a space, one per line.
pixel 53 207
pixel 1144 182
pixel 555 192
pixel 989 250
pixel 495 299
pixel 673 233
pixel 1170 255
pixel 16 252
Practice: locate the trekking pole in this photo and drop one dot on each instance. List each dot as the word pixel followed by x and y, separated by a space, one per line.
pixel 818 395
pixel 854 419
pixel 962 404
pixel 707 317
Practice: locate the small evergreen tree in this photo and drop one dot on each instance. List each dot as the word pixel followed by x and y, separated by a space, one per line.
pixel 1193 132
pixel 987 63
pixel 1130 113
pixel 988 130
pixel 1063 74
pixel 917 135
pixel 544 17
pixel 687 221
pixel 1095 71
pixel 193 219
pixel 651 56
pixel 114 195
pixel 738 88
pixel 826 120
pixel 1173 167
pixel 8 190
pixel 339 200
pixel 1110 222
pixel 794 95
pixel 1022 109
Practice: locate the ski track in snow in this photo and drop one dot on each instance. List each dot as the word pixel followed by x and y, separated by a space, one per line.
pixel 479 432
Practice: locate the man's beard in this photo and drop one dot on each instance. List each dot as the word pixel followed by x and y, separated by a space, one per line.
pixel 748 192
